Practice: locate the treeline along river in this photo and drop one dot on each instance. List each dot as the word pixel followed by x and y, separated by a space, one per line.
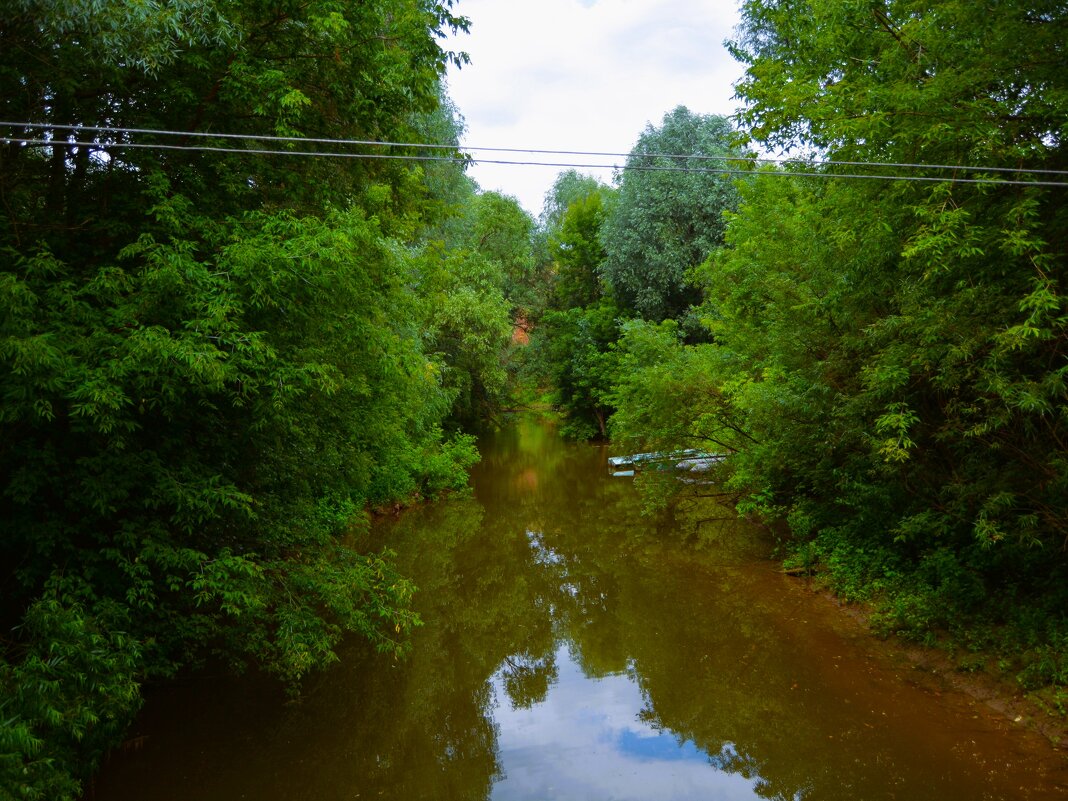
pixel 575 649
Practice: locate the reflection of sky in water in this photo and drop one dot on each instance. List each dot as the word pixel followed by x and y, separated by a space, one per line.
pixel 585 741
pixel 661 747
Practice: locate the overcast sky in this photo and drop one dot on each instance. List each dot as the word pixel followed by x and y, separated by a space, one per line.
pixel 584 75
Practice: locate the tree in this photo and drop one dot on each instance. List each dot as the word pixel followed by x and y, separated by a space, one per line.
pixel 578 253
pixel 210 362
pixel 300 69
pixel 942 83
pixel 478 272
pixel 581 362
pixel 569 187
pixel 964 349
pixel 572 345
pixel 469 328
pixel 666 220
pixel 898 349
pixel 888 360
pixel 501 230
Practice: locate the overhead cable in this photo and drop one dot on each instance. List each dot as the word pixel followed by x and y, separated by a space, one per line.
pixel 535 151
pixel 461 160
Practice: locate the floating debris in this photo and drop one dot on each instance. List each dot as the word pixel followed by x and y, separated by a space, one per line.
pixel 690 460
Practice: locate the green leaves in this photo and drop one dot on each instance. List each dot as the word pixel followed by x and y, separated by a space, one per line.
pixel 898 351
pixel 148 36
pixel 948 80
pixel 578 252
pixel 580 358
pixel 65 697
pixel 173 424
pixel 664 223
pixel 887 365
pixel 212 362
pixel 894 426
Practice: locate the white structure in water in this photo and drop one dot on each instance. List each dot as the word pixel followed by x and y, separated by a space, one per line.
pixel 689 461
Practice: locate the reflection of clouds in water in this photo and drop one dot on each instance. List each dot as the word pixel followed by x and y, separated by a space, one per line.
pixel 587 741
pixel 543 554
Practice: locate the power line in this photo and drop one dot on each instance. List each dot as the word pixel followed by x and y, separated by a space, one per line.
pixel 535 151
pixel 460 160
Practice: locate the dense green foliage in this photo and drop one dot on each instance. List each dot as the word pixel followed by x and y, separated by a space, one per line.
pixel 576 347
pixel 889 364
pixel 482 271
pixel 578 253
pixel 669 214
pixel 571 348
pixel 570 186
pixel 211 363
pixel 627 253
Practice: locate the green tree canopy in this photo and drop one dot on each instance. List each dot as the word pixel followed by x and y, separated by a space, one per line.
pixel 578 252
pixel 569 186
pixel 962 354
pixel 889 365
pixel 666 220
pixel 502 231
pixel 210 363
pixel 901 80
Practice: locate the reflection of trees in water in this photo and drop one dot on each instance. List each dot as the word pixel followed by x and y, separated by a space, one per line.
pixel 694 641
pixel 487 606
pixel 706 637
pixel 488 595
pixel 710 642
pixel 503 578
pixel 527 678
pixel 629 600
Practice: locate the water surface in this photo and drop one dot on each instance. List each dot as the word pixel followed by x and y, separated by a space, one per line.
pixel 574 649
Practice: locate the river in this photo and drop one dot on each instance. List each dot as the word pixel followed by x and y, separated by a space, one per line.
pixel 573 648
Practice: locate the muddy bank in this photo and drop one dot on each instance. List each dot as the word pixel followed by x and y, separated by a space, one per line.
pixel 996 698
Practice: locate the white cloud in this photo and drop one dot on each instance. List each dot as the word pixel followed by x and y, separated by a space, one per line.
pixel 586 741
pixel 581 75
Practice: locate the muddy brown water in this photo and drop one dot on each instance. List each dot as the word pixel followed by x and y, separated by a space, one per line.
pixel 575 649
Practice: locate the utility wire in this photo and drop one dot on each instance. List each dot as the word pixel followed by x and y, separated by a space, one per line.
pixel 475 160
pixel 435 146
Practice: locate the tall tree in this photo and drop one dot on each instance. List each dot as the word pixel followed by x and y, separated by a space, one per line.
pixel 965 351
pixel 889 367
pixel 578 252
pixel 942 83
pixel 569 186
pixel 669 213
pixel 502 231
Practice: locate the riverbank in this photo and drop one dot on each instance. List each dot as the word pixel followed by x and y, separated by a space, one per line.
pixel 954 679
pixel 980 682
pixel 977 661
